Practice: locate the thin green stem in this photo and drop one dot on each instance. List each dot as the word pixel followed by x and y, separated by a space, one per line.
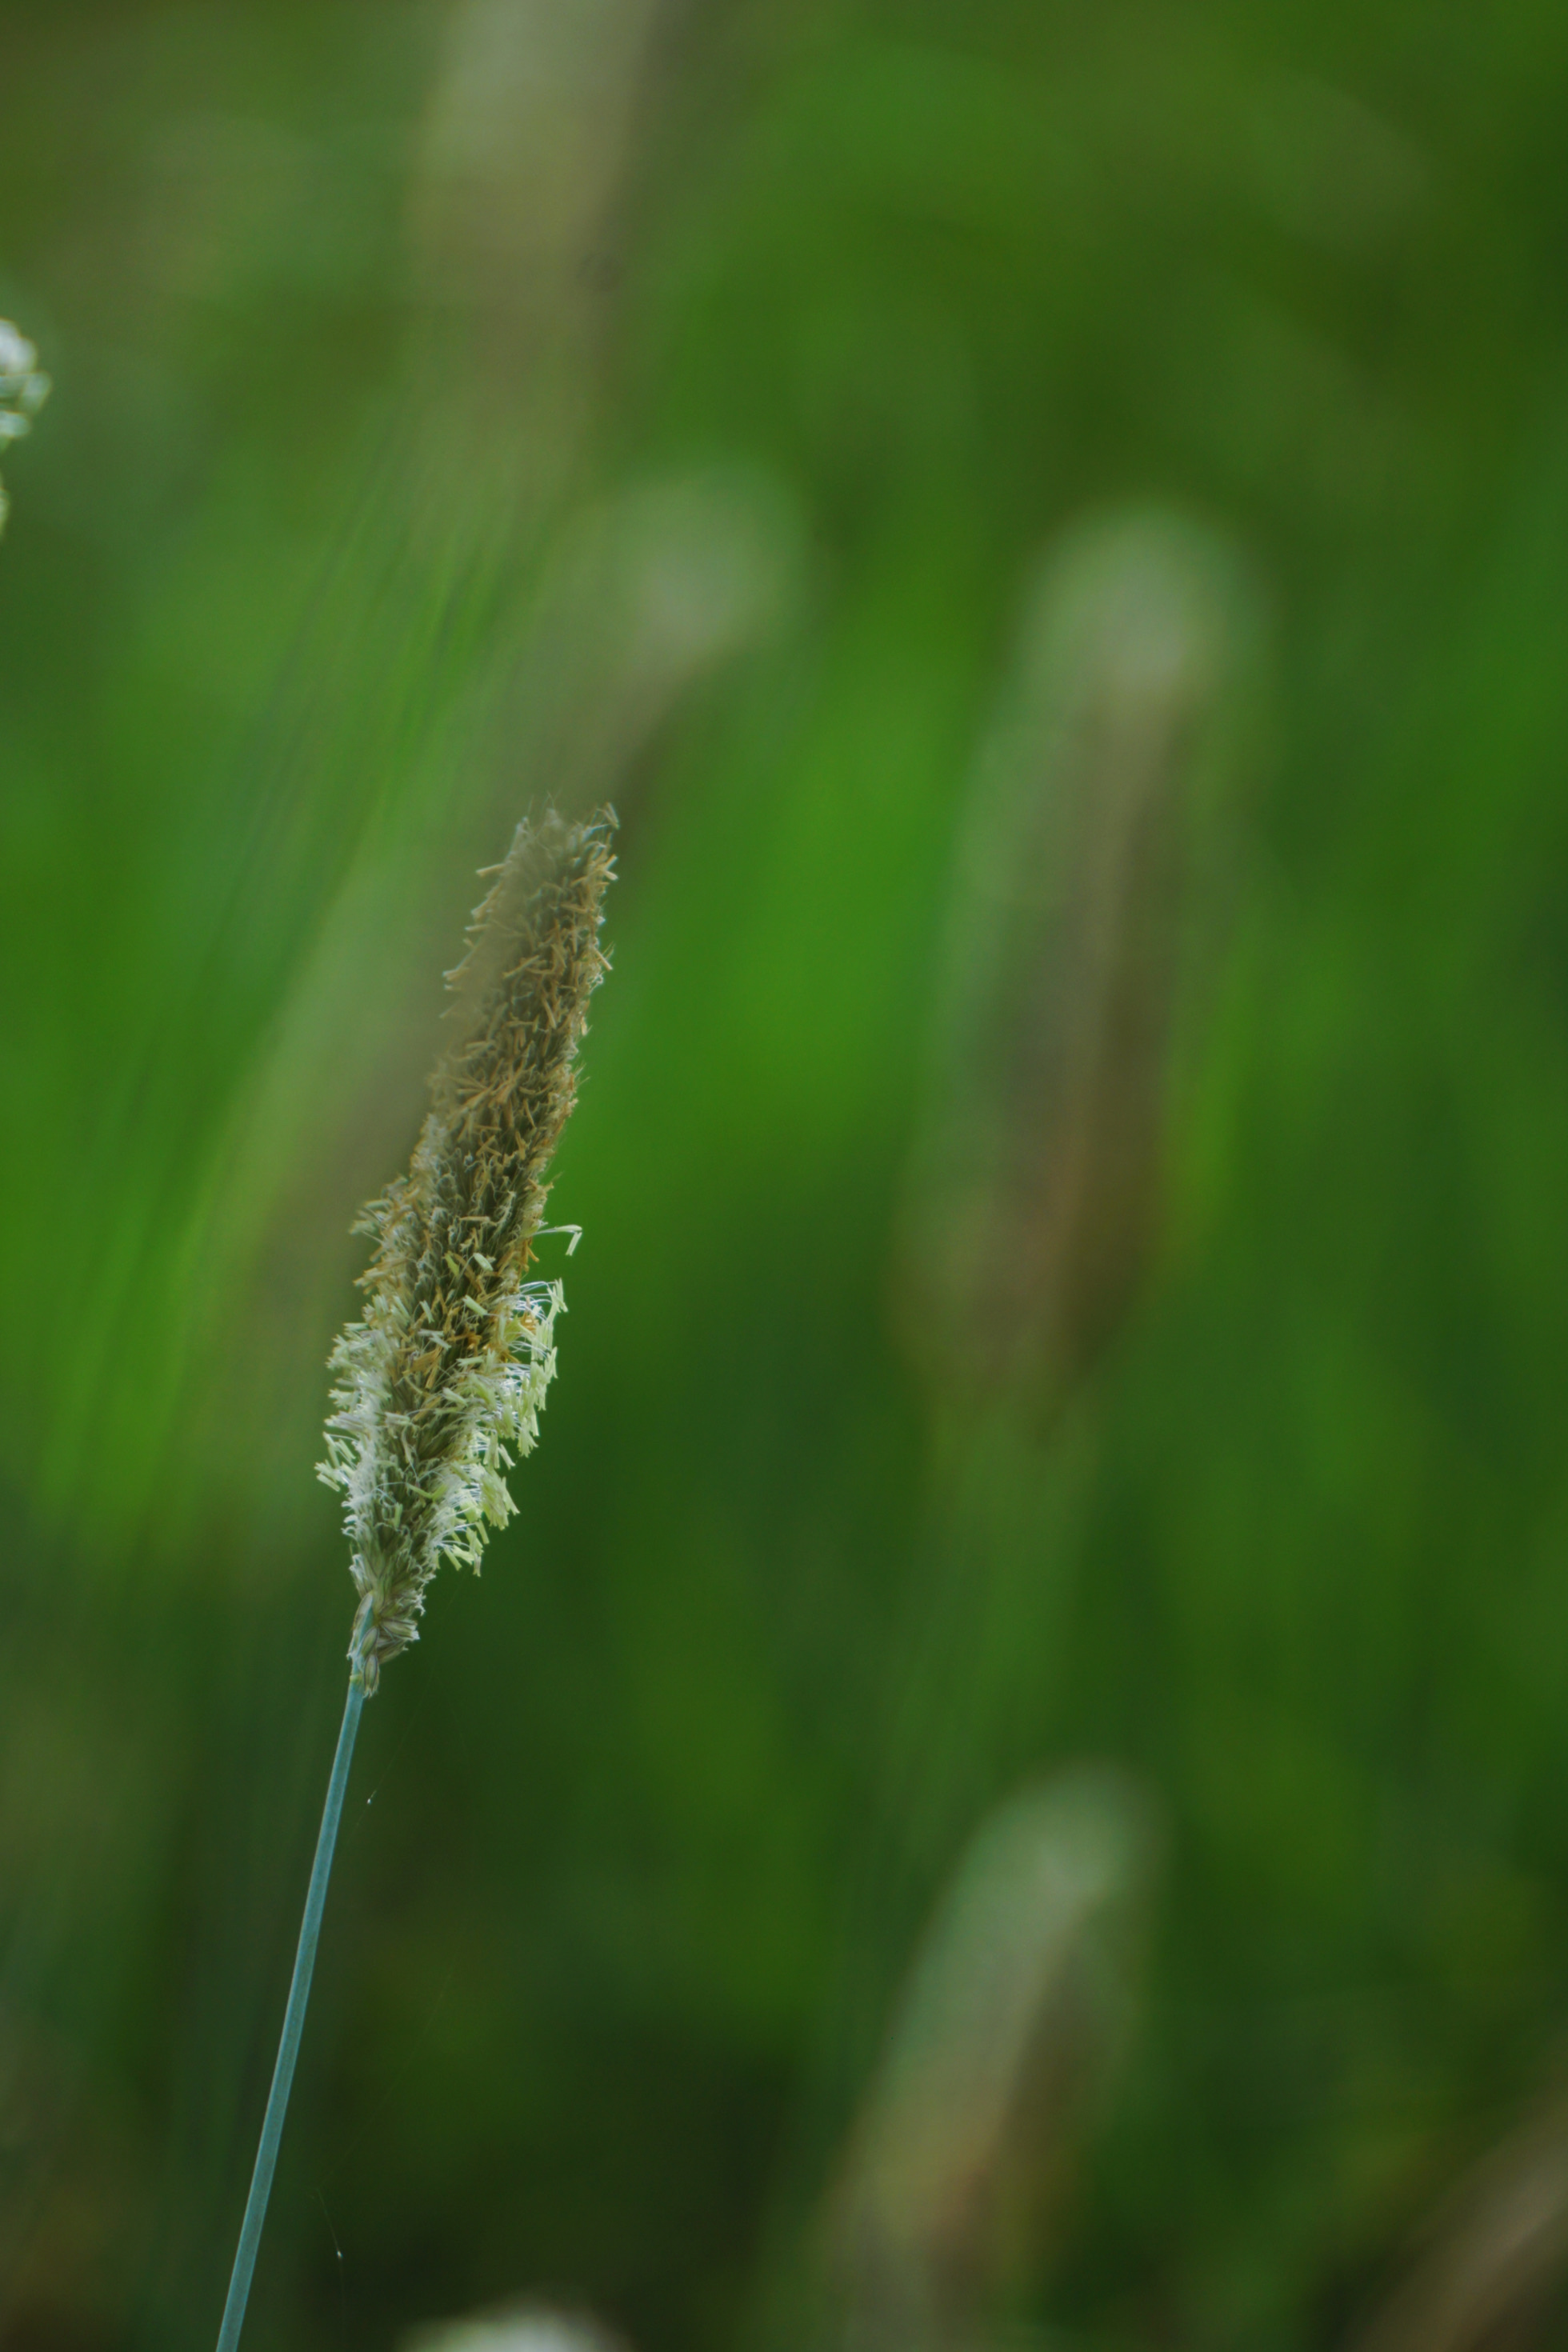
pixel 293 2025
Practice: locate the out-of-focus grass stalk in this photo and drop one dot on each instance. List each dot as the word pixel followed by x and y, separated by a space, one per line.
pixel 1082 912
pixel 646 595
pixel 1091 826
pixel 1084 909
pixel 1491 2260
pixel 443 1379
pixel 379 746
pixel 1009 2024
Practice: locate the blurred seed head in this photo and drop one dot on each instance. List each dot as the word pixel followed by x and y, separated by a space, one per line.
pixel 1014 2013
pixel 24 388
pixel 440 1386
pixel 523 148
pixel 1079 896
pixel 1494 2257
pixel 532 2329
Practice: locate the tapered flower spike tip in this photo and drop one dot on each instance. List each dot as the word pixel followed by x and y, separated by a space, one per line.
pixel 438 1389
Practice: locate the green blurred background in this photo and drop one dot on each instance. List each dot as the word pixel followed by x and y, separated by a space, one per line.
pixel 668 400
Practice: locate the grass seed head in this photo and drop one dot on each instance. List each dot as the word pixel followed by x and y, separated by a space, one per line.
pixel 438 1388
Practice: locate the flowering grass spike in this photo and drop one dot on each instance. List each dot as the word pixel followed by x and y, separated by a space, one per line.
pixel 439 1387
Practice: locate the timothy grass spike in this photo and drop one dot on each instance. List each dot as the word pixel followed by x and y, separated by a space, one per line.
pixel 438 1388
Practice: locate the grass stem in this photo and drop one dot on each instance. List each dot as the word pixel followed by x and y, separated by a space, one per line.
pixel 293 2024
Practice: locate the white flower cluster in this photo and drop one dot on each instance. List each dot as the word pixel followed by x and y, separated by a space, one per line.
pixel 24 388
pixel 490 1420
